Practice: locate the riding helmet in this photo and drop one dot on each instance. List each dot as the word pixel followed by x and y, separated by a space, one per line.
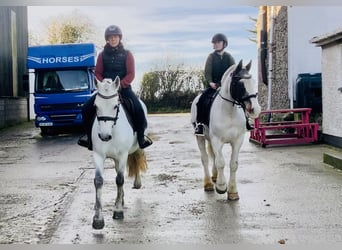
pixel 220 37
pixel 113 30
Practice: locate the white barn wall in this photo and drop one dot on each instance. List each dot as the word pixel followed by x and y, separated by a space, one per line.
pixel 304 23
pixel 332 101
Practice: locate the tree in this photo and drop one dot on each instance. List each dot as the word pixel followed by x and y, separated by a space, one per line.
pixel 150 86
pixel 172 88
pixel 69 28
pixel 254 30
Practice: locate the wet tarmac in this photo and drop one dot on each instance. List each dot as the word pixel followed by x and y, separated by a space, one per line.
pixel 287 194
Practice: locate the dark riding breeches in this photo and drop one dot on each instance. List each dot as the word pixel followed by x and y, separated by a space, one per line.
pixel 88 115
pixel 203 105
pixel 139 119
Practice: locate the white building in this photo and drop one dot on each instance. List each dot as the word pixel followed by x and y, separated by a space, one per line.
pixel 331 44
pixel 304 23
pixel 285 51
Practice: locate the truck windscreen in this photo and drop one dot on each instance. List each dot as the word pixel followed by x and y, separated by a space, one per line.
pixel 57 81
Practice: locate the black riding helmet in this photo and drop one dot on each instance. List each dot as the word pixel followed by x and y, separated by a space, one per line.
pixel 113 30
pixel 220 37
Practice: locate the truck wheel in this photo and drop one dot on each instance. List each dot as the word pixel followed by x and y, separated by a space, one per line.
pixel 44 131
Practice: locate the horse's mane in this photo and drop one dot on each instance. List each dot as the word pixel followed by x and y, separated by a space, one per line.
pixel 228 73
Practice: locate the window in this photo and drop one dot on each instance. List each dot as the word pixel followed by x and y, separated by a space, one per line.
pixel 61 81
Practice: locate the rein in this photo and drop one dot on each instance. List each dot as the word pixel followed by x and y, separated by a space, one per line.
pixel 107 97
pixel 117 107
pixel 235 102
pixel 226 99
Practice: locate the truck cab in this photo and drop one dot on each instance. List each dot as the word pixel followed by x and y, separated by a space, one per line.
pixel 63 82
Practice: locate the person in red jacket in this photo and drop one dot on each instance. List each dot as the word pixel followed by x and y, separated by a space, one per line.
pixel 115 61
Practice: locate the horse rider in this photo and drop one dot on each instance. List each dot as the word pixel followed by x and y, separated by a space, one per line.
pixel 216 64
pixel 115 61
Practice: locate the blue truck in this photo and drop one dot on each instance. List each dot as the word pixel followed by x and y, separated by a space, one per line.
pixel 63 82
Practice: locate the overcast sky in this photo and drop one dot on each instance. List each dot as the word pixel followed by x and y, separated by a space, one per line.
pixel 156 31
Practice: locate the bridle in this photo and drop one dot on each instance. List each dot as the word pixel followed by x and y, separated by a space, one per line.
pixel 237 85
pixel 116 107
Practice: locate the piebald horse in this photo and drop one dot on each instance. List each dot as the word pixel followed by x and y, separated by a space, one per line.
pixel 113 137
pixel 236 99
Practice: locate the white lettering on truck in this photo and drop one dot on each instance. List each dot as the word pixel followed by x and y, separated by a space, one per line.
pixel 60 59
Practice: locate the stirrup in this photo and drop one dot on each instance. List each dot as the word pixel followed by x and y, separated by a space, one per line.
pixel 84 141
pixel 147 142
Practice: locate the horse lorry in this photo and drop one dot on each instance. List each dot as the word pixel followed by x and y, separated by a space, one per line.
pixel 63 80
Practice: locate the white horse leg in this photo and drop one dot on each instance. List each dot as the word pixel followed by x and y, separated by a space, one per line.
pixel 137 181
pixel 120 166
pixel 208 185
pixel 234 163
pixel 98 220
pixel 204 159
pixel 221 183
pixel 213 169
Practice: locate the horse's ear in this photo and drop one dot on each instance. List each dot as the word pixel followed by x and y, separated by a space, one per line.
pixel 116 82
pixel 96 81
pixel 238 68
pixel 249 65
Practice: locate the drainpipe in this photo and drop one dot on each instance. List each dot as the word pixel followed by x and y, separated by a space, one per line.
pixel 289 56
pixel 270 68
pixel 262 52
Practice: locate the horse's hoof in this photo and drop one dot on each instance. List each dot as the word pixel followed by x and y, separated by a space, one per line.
pixel 213 178
pixel 208 187
pixel 219 191
pixel 118 215
pixel 136 186
pixel 98 224
pixel 233 196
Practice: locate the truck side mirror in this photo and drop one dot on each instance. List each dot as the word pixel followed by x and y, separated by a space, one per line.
pixel 26 87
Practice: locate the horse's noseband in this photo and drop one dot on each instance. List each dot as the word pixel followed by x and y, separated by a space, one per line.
pixel 110 118
pixel 116 107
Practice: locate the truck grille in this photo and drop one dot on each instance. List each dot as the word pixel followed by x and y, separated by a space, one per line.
pixel 62 106
pixel 63 119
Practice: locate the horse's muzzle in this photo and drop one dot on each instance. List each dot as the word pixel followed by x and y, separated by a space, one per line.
pixel 249 107
pixel 253 111
pixel 105 138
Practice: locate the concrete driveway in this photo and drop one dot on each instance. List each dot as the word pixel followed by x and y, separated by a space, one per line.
pixel 287 194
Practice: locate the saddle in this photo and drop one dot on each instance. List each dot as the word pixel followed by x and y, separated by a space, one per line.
pixel 208 103
pixel 129 109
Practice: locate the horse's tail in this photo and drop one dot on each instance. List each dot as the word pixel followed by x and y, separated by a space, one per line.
pixel 136 163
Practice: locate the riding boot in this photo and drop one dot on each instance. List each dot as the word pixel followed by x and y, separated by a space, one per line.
pixel 143 140
pixel 88 116
pixel 85 141
pixel 248 126
pixel 199 129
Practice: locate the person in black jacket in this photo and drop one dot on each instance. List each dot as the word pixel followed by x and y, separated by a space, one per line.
pixel 115 61
pixel 216 64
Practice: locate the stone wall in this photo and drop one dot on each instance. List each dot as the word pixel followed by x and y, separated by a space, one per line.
pixel 280 99
pixel 13 110
pixel 279 49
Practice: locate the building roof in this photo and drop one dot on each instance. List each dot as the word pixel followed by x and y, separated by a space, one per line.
pixel 328 38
